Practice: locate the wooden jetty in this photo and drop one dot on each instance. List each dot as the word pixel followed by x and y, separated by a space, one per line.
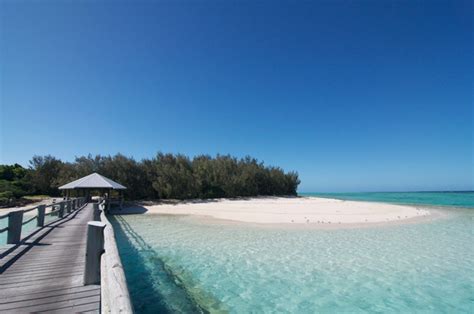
pixel 69 265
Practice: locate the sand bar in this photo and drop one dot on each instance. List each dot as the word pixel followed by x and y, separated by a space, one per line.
pixel 295 210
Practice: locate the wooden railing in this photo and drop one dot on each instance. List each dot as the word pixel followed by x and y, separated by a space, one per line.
pixel 16 223
pixel 103 264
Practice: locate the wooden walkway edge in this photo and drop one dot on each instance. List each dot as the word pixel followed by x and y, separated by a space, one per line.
pixel 45 272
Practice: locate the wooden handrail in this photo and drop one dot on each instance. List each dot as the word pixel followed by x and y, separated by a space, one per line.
pixel 15 218
pixel 28 210
pixel 115 297
pixel 29 220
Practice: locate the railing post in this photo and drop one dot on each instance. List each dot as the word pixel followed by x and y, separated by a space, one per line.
pixel 69 206
pixel 74 203
pixel 96 211
pixel 15 220
pixel 61 210
pixel 53 208
pixel 94 250
pixel 41 211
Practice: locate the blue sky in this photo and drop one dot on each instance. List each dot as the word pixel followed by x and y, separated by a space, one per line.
pixel 354 95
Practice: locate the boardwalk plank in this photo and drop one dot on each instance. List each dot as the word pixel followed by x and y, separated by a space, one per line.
pixel 50 300
pixel 82 308
pixel 50 293
pixel 23 279
pixel 40 272
pixel 70 305
pixel 43 267
pixel 45 273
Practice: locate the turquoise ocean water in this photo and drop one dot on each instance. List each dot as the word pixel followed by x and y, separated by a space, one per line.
pixel 181 264
pixel 27 229
pixel 449 199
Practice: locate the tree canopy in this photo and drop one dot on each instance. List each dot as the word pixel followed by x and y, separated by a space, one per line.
pixel 165 176
pixel 14 183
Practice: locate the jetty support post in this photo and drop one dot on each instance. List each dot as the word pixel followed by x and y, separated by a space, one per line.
pixel 15 220
pixel 96 211
pixel 41 211
pixel 61 210
pixel 94 250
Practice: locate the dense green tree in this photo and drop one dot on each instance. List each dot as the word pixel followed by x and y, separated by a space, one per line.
pixel 172 176
pixel 12 172
pixel 44 176
pixel 86 165
pixel 13 183
pixel 126 171
pixel 165 176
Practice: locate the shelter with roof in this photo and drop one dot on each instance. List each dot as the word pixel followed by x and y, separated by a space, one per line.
pixel 95 182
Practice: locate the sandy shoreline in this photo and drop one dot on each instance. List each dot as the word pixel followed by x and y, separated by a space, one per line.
pixel 48 201
pixel 296 210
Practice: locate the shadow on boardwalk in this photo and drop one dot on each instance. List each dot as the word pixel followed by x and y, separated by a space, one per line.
pixel 45 272
pixel 32 240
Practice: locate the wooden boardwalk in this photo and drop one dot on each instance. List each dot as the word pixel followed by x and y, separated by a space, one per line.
pixel 45 272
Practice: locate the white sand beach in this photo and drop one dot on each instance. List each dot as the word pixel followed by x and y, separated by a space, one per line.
pixel 297 210
pixel 47 201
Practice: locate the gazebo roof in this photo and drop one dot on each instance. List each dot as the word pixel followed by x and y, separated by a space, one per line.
pixel 93 181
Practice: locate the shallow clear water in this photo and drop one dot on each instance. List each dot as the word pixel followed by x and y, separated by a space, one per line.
pixel 178 263
pixel 457 199
pixel 25 230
